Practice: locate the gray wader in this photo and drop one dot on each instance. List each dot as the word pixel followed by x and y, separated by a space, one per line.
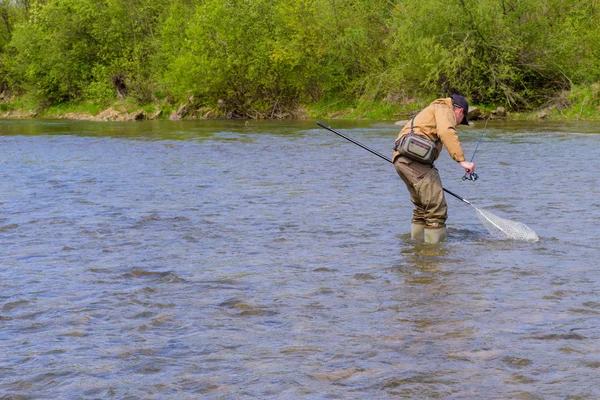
pixel 427 194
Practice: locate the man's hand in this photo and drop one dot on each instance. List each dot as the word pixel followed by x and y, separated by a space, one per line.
pixel 468 166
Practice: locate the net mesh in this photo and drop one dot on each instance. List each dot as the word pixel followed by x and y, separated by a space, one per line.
pixel 501 228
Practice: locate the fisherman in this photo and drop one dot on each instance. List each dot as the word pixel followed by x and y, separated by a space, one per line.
pixel 437 123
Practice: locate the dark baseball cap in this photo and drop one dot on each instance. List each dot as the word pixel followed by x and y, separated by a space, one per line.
pixel 459 101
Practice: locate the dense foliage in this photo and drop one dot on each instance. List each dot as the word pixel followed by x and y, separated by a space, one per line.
pixel 264 58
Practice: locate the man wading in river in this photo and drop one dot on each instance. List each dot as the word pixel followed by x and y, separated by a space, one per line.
pixel 417 147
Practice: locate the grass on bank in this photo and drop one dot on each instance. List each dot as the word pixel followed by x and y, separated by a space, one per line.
pixel 84 107
pixel 581 103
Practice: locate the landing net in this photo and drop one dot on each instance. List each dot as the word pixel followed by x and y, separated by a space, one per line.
pixel 501 228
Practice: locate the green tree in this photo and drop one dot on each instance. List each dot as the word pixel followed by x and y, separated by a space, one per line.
pixel 263 58
pixel 73 49
pixel 248 56
pixel 516 52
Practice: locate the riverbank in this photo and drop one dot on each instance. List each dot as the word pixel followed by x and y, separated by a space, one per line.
pixel 579 104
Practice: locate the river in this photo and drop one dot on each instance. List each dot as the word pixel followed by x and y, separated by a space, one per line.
pixel 258 260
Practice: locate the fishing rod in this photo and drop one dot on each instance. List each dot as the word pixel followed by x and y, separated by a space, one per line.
pixel 496 226
pixel 473 175
pixel 380 155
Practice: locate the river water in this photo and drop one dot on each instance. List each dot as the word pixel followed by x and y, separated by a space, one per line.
pixel 233 260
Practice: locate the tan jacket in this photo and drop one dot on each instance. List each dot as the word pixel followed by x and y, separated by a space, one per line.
pixel 437 121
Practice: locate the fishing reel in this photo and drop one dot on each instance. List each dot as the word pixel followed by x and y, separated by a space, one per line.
pixel 473 176
pixel 470 176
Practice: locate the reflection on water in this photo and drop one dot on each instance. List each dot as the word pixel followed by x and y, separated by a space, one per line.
pixel 223 259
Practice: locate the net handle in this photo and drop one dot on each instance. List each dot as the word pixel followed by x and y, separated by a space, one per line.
pixel 322 125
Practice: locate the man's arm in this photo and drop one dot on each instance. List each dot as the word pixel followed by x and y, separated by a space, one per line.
pixel 446 130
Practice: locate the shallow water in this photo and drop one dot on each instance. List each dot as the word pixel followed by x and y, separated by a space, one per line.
pixel 217 260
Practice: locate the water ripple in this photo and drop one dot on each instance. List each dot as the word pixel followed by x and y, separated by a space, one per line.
pixel 216 259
